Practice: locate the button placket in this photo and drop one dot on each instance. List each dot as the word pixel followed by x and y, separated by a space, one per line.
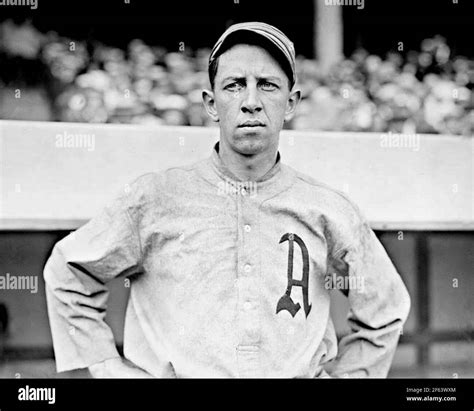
pixel 248 287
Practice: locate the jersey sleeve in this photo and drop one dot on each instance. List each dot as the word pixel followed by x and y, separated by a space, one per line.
pixel 76 276
pixel 379 304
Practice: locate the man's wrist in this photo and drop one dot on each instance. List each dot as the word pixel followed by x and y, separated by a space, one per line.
pixel 98 370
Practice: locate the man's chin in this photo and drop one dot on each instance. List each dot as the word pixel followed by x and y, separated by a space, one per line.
pixel 250 144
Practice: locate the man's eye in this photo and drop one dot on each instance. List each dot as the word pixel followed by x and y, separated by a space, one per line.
pixel 268 86
pixel 233 87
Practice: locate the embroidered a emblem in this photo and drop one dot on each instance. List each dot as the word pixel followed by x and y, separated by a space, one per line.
pixel 286 302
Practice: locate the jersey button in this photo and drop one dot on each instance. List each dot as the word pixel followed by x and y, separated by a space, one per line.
pixel 253 334
pixel 247 305
pixel 247 268
pixel 247 228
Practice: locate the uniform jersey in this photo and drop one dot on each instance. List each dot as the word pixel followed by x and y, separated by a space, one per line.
pixel 228 279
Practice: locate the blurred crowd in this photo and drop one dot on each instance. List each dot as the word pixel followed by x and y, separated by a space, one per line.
pixel 419 91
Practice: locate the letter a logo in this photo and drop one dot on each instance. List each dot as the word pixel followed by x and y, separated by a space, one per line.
pixel 286 302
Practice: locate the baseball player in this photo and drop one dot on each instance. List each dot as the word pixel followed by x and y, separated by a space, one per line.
pixel 229 258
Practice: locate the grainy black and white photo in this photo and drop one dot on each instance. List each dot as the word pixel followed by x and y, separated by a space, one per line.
pixel 229 190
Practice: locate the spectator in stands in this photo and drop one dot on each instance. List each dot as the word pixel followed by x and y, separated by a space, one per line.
pixel 426 91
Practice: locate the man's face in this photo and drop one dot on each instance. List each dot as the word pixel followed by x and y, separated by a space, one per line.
pixel 251 99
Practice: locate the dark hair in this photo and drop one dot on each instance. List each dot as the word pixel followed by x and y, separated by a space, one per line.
pixel 253 39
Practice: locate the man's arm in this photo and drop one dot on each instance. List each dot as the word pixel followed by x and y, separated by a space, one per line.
pixel 117 368
pixel 379 306
pixel 76 275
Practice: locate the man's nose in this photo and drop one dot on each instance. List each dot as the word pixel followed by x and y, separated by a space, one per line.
pixel 251 101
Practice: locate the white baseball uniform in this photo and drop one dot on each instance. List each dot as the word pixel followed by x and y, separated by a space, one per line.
pixel 228 279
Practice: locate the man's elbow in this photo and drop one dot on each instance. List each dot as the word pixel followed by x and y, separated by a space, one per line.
pixel 53 266
pixel 403 304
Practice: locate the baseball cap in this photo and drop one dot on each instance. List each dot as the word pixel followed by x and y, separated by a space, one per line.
pixel 273 39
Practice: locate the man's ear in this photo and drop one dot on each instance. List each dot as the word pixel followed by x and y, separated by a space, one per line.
pixel 293 100
pixel 210 104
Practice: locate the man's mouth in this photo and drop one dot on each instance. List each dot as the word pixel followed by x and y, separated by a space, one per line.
pixel 251 124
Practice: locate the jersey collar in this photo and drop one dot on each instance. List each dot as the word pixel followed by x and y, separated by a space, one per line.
pixel 279 178
pixel 225 173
